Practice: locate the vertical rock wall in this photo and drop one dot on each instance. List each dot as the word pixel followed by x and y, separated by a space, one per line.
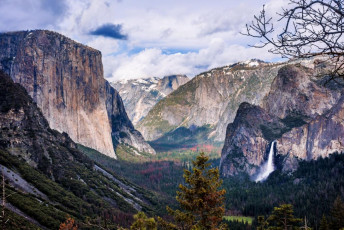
pixel 66 81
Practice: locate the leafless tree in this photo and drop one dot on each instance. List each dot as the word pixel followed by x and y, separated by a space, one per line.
pixel 305 226
pixel 309 28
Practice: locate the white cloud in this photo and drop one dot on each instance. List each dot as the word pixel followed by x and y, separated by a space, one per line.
pixel 207 33
pixel 212 30
pixel 106 45
pixel 153 62
pixel 33 14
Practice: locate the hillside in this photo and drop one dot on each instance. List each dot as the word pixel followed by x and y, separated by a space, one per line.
pixel 51 177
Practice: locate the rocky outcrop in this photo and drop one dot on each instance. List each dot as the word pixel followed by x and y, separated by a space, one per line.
pixel 300 112
pixel 210 100
pixel 123 130
pixel 320 137
pixel 140 95
pixel 296 92
pixel 66 81
pixel 247 138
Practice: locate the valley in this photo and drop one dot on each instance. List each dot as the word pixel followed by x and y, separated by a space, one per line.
pixel 257 175
pixel 73 144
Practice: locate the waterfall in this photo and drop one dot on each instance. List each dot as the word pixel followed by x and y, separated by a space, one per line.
pixel 268 167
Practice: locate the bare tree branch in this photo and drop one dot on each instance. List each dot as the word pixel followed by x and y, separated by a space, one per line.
pixel 310 28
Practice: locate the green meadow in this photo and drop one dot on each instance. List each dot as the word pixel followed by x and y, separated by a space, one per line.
pixel 242 219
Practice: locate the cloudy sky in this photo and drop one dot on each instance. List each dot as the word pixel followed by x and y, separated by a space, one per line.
pixel 144 38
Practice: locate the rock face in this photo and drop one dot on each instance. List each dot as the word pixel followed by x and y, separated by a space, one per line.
pixel 26 133
pixel 140 95
pixel 66 81
pixel 300 112
pixel 249 134
pixel 210 100
pixel 323 106
pixel 123 130
pixel 294 92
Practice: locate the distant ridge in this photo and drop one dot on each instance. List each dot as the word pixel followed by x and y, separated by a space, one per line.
pixel 140 95
pixel 208 102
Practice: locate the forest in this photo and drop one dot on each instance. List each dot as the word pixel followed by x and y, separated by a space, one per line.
pixel 311 190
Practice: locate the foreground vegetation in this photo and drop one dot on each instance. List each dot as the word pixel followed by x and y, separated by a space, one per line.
pixel 322 206
pixel 311 189
pixel 161 173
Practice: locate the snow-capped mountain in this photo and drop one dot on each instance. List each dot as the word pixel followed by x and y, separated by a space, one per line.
pixel 140 95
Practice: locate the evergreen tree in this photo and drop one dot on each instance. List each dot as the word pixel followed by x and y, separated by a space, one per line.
pixel 324 224
pixel 337 214
pixel 201 200
pixel 262 224
pixel 282 218
pixel 142 222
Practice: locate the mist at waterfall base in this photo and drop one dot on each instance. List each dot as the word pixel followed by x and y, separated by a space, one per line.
pixel 268 167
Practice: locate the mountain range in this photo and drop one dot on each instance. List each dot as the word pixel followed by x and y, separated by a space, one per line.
pixel 208 102
pixel 65 79
pixel 140 95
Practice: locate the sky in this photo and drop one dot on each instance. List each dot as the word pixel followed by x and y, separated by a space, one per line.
pixel 148 38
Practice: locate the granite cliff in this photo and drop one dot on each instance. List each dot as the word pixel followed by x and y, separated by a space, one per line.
pixel 302 113
pixel 140 95
pixel 66 81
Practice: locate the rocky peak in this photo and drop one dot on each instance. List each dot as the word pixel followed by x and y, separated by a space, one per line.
pixel 247 139
pixel 168 84
pixel 140 95
pixel 252 63
pixel 295 92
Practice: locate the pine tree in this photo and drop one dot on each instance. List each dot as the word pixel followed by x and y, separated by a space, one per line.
pixel 142 222
pixel 262 224
pixel 337 214
pixel 282 218
pixel 201 200
pixel 324 224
